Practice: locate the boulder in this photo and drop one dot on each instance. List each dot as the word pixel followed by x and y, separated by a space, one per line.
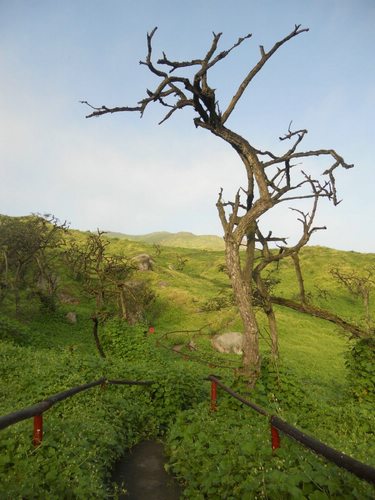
pixel 71 317
pixel 230 342
pixel 143 262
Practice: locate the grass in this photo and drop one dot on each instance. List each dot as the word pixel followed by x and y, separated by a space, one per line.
pixel 179 240
pixel 60 354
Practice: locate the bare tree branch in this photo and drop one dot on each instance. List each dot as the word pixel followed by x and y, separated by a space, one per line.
pixel 103 110
pixel 255 70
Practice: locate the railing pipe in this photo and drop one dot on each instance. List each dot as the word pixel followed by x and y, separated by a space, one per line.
pixel 46 404
pixel 361 470
pixel 255 407
pixel 352 465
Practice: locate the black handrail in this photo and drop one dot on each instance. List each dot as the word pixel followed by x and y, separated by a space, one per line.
pixel 361 470
pixel 46 404
pixel 352 465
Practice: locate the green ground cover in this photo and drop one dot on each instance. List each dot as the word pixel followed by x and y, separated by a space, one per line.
pixel 215 455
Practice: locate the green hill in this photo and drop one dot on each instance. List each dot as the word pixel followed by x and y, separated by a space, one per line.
pixel 181 240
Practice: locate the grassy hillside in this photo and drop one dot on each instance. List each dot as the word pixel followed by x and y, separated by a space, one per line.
pixel 193 302
pixel 181 240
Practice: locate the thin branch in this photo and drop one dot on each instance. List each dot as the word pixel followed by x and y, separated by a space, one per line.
pixel 255 70
pixel 148 61
pixel 222 54
pixel 221 211
pixel 103 110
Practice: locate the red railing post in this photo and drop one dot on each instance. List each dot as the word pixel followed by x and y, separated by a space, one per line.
pixel 275 438
pixel 38 430
pixel 213 395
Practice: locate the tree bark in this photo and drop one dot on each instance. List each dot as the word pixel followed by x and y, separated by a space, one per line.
pixel 242 292
pixel 270 313
pixel 366 302
pixel 96 336
pixel 122 302
pixel 301 285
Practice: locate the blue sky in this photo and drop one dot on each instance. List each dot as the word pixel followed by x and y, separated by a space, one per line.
pixel 127 174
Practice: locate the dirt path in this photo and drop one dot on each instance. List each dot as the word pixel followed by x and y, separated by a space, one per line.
pixel 142 471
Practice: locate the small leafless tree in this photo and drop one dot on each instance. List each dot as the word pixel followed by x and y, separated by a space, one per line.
pixel 359 285
pixel 103 275
pixel 272 178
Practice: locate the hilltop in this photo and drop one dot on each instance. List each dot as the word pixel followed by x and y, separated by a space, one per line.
pixel 181 239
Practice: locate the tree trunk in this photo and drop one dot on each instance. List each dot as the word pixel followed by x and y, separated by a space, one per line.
pixel 268 309
pixel 366 301
pixel 122 303
pixel 99 298
pixel 301 286
pixel 242 292
pixel 96 336
pixel 16 289
pixel 17 300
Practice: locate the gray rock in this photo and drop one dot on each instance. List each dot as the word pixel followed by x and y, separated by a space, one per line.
pixel 143 262
pixel 231 342
pixel 71 317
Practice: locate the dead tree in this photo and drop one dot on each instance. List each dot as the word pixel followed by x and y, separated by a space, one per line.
pixel 102 274
pixel 271 178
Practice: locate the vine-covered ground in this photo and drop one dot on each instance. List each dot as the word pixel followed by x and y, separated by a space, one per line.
pixel 222 454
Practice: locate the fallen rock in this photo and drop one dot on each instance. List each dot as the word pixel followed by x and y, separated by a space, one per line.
pixel 231 342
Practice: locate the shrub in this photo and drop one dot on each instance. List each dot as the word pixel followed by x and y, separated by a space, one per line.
pixel 361 369
pixel 13 331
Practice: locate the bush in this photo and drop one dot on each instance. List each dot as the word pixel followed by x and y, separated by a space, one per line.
pixel 221 301
pixel 130 342
pixel 361 369
pixel 14 331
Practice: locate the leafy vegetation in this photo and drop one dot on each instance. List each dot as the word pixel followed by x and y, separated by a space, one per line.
pixel 324 383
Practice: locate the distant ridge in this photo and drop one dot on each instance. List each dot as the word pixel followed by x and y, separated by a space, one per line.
pixel 181 239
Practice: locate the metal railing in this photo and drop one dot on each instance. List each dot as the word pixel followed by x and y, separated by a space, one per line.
pixel 38 409
pixel 352 465
pixel 361 470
